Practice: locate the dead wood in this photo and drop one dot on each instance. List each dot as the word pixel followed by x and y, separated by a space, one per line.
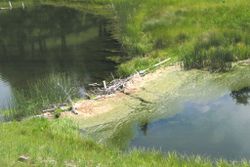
pixel 119 85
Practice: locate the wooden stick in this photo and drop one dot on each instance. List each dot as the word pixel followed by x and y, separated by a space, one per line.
pixel 23 5
pixel 67 93
pixel 120 84
pixel 4 8
pixel 162 62
pixel 154 66
pixel 10 4
pixel 49 110
pixel 104 84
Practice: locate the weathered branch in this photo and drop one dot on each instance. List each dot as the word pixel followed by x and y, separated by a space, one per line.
pixel 67 93
pixel 120 84
pixel 106 89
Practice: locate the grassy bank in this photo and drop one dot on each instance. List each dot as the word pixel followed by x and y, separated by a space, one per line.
pixel 58 143
pixel 202 34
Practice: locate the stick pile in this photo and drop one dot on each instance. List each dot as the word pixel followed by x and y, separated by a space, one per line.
pixel 104 89
pixel 120 84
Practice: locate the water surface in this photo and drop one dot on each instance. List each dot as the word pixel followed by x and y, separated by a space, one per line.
pixel 5 96
pixel 218 127
pixel 44 40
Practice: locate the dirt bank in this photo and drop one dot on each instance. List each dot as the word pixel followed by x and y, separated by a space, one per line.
pixel 141 89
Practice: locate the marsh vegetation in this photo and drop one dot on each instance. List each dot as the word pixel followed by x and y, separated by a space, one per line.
pixel 202 34
pixel 73 43
pixel 42 46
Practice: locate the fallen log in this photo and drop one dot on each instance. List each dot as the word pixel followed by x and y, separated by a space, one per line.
pixel 49 110
pixel 4 8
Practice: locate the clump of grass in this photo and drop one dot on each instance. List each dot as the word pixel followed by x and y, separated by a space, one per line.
pixel 42 94
pixel 216 50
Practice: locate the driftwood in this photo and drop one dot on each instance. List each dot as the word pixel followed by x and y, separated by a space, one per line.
pixel 103 90
pixel 11 6
pixel 4 8
pixel 7 8
pixel 54 107
pixel 67 93
pixel 120 84
pixel 68 106
pixel 143 72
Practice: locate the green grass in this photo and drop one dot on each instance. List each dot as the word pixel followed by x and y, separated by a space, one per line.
pixel 58 142
pixel 201 33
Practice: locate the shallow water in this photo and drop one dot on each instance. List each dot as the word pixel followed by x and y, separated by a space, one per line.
pixel 191 112
pixel 217 127
pixel 44 40
pixel 5 95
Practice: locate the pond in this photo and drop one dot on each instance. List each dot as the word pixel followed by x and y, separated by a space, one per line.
pixel 217 127
pixel 43 40
pixel 190 112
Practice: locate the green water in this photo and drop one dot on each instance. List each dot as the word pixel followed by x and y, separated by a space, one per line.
pixel 43 40
pixel 206 114
pixel 217 128
pixel 212 119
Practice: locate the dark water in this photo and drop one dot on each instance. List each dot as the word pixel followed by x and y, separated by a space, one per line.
pixel 215 128
pixel 44 40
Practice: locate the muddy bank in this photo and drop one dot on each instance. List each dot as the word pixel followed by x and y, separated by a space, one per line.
pixel 148 90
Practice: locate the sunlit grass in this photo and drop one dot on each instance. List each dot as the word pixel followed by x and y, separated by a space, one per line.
pixel 174 27
pixel 178 26
pixel 201 33
pixel 59 143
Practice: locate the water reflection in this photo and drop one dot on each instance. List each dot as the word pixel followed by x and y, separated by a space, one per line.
pixel 241 96
pixel 216 128
pixel 6 91
pixel 144 127
pixel 28 34
pixel 44 40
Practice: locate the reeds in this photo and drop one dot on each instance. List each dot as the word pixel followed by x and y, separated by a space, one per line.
pixel 40 95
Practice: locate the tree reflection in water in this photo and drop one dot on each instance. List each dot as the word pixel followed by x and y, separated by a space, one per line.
pixel 241 96
pixel 144 127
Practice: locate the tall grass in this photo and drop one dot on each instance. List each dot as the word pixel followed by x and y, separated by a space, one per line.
pixel 217 49
pixel 181 29
pixel 41 95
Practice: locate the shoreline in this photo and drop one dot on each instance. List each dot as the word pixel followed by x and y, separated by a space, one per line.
pixel 135 86
pixel 140 89
pixel 134 91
